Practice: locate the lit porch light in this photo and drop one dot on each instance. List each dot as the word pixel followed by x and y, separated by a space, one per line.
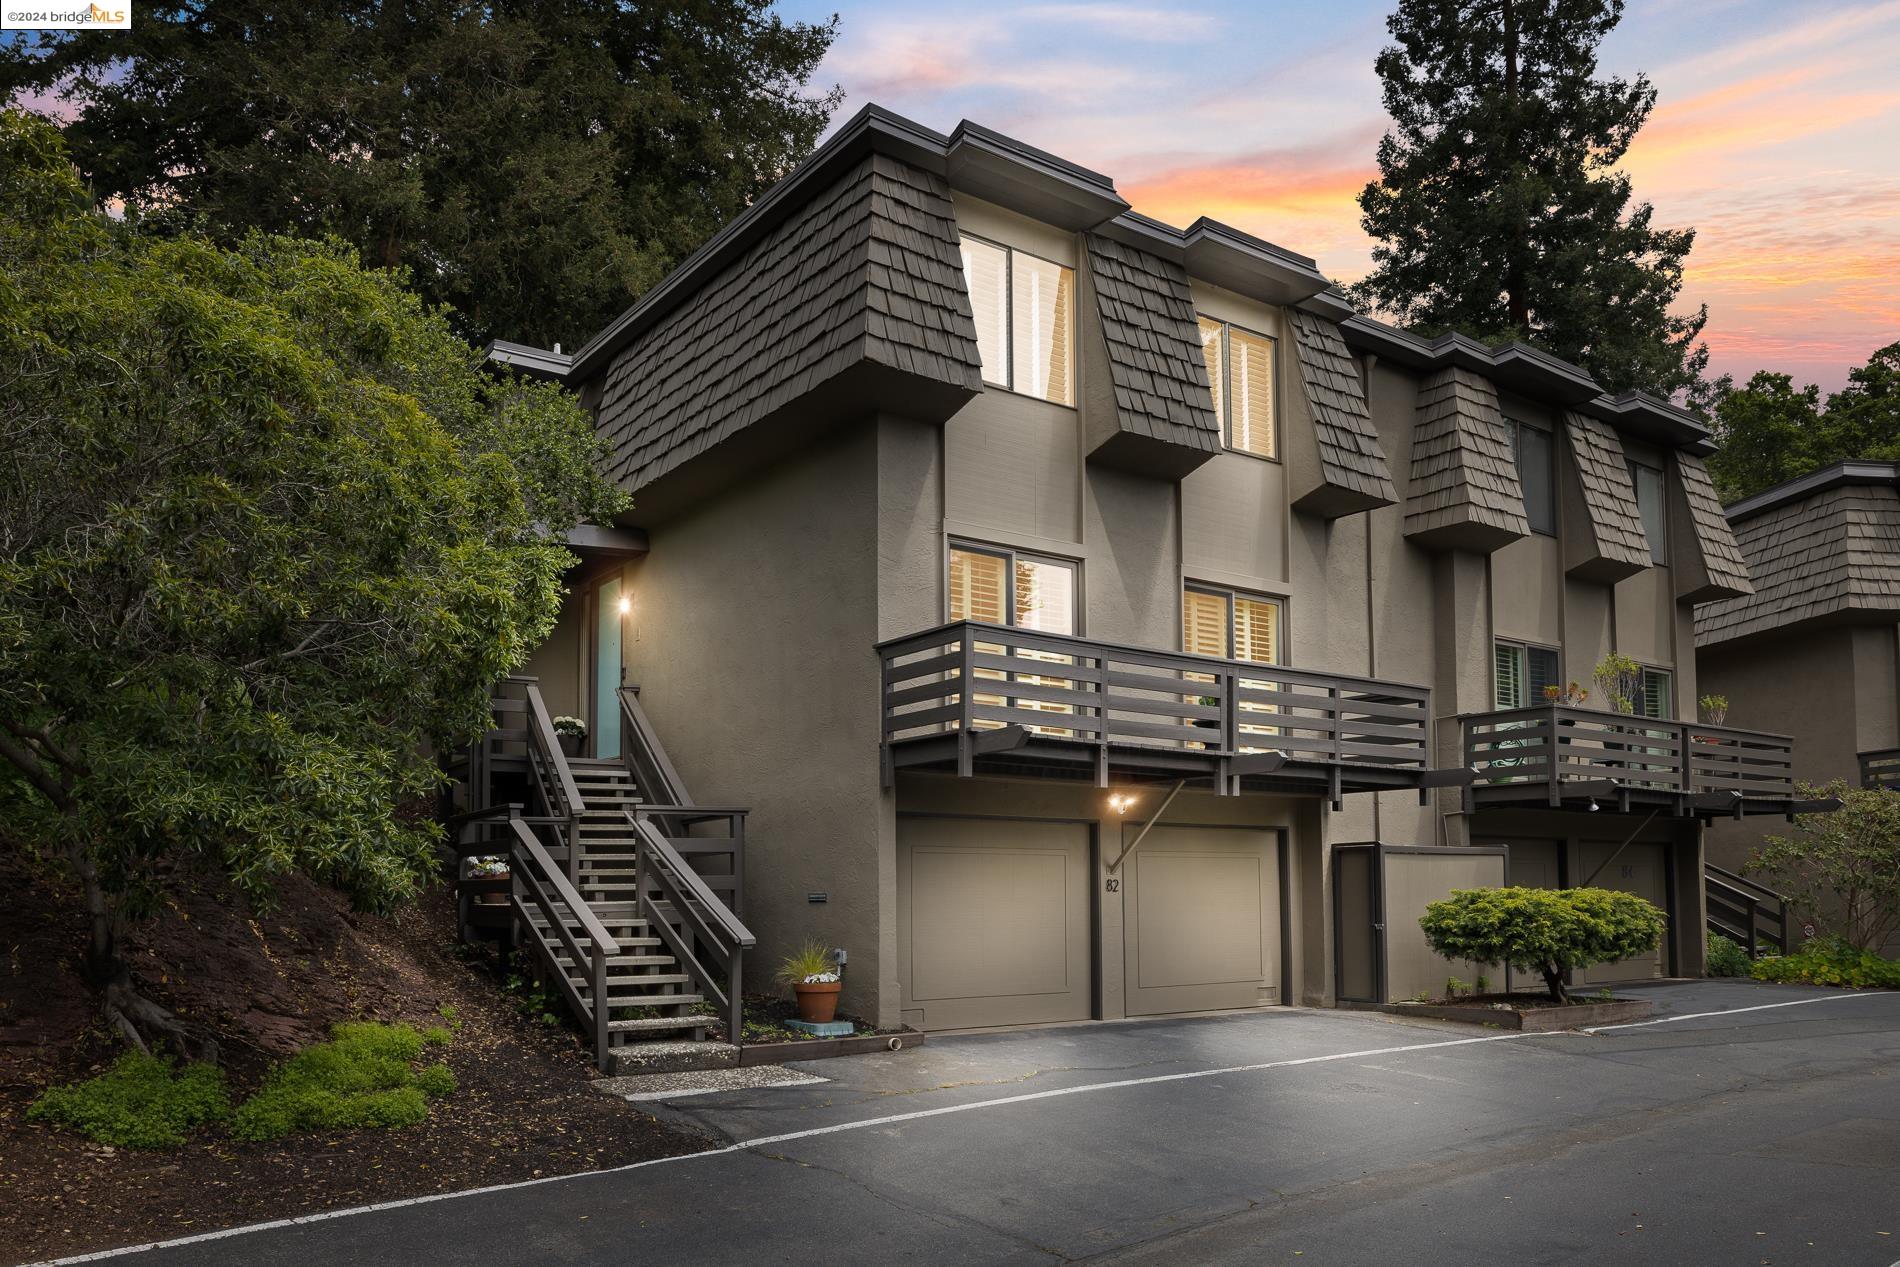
pixel 626 604
pixel 1121 802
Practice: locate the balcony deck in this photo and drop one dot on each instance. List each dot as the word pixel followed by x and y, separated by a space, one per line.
pixel 1881 768
pixel 1557 756
pixel 972 698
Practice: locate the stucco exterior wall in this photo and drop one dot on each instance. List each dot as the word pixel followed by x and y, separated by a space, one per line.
pixel 752 634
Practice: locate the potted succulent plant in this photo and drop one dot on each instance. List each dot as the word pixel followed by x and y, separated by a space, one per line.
pixel 571 733
pixel 1571 696
pixel 814 978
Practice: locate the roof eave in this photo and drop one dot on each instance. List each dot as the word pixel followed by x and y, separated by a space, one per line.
pixel 526 359
pixel 1836 476
pixel 1649 418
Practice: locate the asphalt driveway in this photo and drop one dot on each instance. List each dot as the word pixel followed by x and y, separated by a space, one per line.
pixel 1768 1132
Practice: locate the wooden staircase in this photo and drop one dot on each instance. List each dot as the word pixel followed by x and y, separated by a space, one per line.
pixel 640 944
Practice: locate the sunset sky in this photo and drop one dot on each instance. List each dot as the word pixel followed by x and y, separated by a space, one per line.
pixel 1776 134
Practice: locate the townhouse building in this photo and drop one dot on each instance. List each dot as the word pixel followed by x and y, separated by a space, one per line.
pixel 1100 618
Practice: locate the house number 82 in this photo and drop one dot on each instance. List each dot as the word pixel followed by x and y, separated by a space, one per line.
pixel 1114 885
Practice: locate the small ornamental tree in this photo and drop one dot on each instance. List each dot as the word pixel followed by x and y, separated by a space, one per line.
pixel 1844 867
pixel 1547 931
pixel 268 534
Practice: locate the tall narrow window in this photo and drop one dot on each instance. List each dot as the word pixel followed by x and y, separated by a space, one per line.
pixel 1649 502
pixel 1658 694
pixel 979 588
pixel 1002 587
pixel 986 274
pixel 1535 471
pixel 1241 371
pixel 1025 320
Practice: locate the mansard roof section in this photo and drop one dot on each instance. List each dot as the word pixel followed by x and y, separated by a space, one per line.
pixel 1224 256
pixel 1714 566
pixel 1338 467
pixel 1531 372
pixel 1465 493
pixel 855 301
pixel 1824 548
pixel 1160 415
pixel 1597 487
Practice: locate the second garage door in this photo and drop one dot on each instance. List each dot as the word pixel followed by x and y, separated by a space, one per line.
pixel 1201 920
pixel 1638 869
pixel 993 922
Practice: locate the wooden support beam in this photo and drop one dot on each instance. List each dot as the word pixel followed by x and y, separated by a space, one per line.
pixel 1255 763
pixel 1002 739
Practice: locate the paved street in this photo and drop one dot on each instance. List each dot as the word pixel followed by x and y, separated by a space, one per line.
pixel 1763 1136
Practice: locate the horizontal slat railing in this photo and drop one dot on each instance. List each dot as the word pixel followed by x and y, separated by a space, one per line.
pixel 571 921
pixel 704 934
pixel 1551 746
pixel 1880 768
pixel 1745 912
pixel 969 676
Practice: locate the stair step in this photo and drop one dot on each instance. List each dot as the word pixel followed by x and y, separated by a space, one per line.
pixel 621 961
pixel 648 1024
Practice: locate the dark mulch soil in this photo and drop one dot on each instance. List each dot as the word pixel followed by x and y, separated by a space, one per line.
pixel 266 984
pixel 766 1014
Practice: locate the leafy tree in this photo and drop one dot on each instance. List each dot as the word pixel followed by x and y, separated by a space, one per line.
pixel 267 529
pixel 1771 431
pixel 1499 211
pixel 1547 931
pixel 1842 868
pixel 534 166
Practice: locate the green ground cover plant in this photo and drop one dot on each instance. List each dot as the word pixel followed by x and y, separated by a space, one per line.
pixel 142 1101
pixel 366 1075
pixel 1830 961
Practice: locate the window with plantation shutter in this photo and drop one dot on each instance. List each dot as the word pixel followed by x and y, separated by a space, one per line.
pixel 1520 673
pixel 1659 694
pixel 1507 676
pixel 1204 623
pixel 1241 371
pixel 1025 320
pixel 977 586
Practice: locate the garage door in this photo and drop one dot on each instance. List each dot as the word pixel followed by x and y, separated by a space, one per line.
pixel 1639 870
pixel 1201 920
pixel 993 922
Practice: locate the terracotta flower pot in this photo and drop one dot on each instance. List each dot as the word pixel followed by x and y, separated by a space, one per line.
pixel 818 1000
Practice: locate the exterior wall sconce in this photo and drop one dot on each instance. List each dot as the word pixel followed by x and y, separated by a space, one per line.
pixel 1121 802
pixel 626 604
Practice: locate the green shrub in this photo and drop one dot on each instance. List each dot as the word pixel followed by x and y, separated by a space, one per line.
pixel 1830 961
pixel 1726 959
pixel 1548 931
pixel 365 1076
pixel 141 1102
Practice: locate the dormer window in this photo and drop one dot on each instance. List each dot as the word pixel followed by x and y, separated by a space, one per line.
pixel 1649 503
pixel 1535 470
pixel 1240 369
pixel 1025 320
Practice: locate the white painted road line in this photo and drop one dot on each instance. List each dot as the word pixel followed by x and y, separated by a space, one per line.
pixel 769 1141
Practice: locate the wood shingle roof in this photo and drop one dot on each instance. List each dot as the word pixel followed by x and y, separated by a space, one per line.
pixel 868 272
pixel 1352 469
pixel 1154 346
pixel 1617 545
pixel 1830 554
pixel 1465 493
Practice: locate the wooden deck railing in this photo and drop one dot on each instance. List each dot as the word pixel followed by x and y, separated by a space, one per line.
pixel 968 677
pixel 1749 914
pixel 1559 751
pixel 1881 768
pixel 541 884
pixel 707 938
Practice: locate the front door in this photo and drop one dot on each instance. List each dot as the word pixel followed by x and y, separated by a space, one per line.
pixel 607 618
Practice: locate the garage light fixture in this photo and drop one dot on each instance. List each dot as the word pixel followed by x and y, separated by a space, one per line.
pixel 1121 802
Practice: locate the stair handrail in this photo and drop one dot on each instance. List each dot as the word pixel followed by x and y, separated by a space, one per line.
pixel 600 946
pixel 660 868
pixel 645 756
pixel 1749 897
pixel 547 746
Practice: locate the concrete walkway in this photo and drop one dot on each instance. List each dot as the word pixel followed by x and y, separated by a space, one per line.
pixel 1767 1132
